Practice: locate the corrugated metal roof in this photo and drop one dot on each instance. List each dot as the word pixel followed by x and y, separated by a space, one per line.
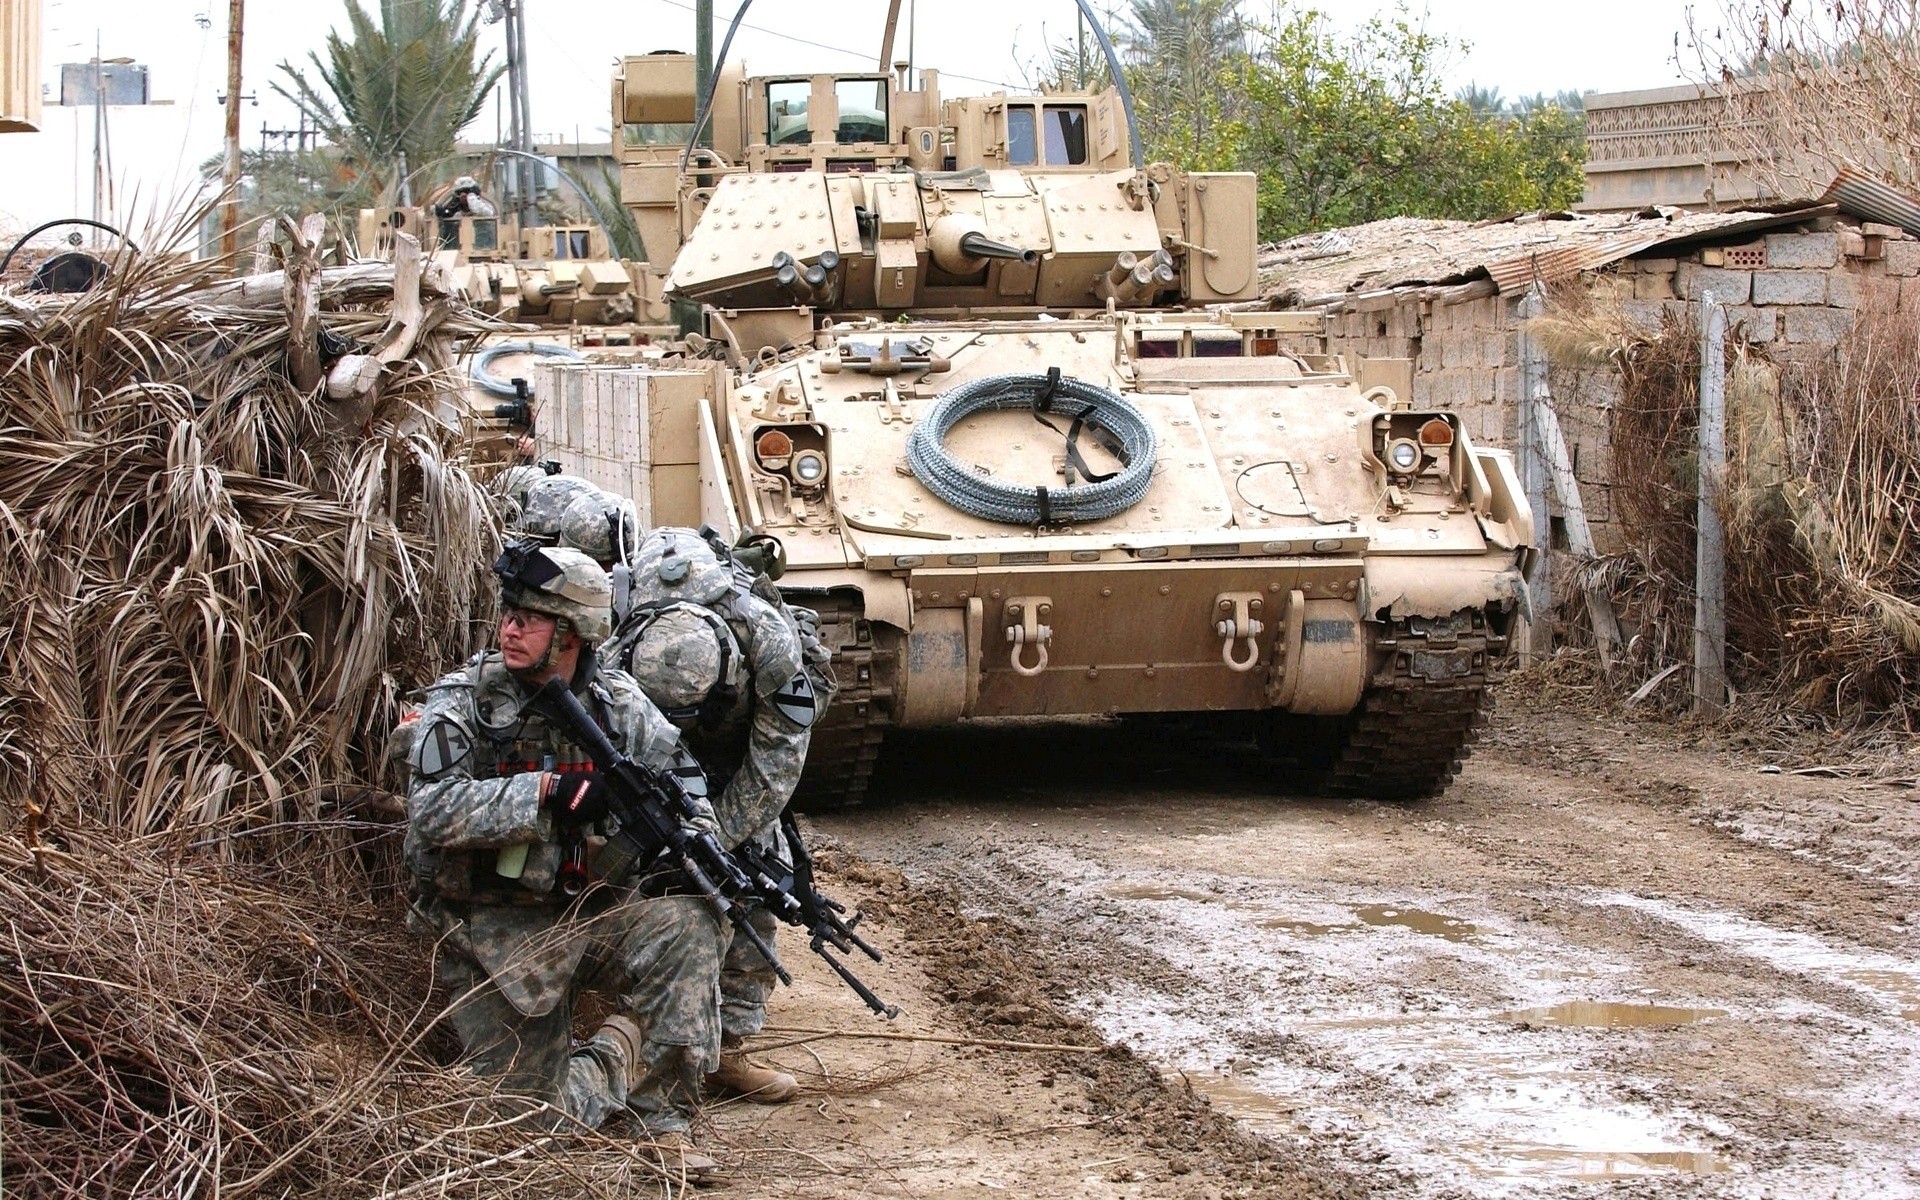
pixel 1411 252
pixel 1865 196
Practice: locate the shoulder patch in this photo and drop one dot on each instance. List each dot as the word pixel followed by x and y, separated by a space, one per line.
pixel 797 700
pixel 440 746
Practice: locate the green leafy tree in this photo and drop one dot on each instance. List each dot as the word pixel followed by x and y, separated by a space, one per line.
pixel 399 90
pixel 1553 141
pixel 1344 130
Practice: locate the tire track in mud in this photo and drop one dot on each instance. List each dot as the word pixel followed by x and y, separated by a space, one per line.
pixel 1542 979
pixel 997 975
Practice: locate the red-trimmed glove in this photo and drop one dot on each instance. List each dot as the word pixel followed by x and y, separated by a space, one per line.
pixel 576 800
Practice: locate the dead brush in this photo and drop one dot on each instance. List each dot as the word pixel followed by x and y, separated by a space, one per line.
pixel 195 1028
pixel 1821 501
pixel 219 589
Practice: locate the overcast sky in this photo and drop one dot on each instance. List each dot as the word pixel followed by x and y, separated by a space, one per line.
pixel 1520 47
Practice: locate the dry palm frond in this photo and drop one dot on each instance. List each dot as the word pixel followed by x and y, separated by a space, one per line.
pixel 218 591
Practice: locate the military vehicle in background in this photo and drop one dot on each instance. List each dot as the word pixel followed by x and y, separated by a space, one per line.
pixel 1017 463
pixel 564 279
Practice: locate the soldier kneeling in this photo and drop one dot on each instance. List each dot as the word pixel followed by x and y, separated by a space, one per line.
pixel 505 839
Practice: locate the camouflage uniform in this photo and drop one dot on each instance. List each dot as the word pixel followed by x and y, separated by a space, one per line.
pixel 513 949
pixel 721 653
pixel 512 487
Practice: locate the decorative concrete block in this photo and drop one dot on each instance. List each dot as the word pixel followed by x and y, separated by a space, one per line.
pixel 1728 287
pixel 1817 326
pixel 1803 249
pixel 1789 287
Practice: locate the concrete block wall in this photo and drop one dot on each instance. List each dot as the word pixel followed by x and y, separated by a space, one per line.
pixel 1792 292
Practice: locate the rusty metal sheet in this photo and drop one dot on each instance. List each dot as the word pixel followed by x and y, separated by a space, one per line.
pixel 1403 252
pixel 1864 196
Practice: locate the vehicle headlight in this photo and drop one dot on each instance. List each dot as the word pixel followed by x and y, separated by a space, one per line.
pixel 1403 455
pixel 809 467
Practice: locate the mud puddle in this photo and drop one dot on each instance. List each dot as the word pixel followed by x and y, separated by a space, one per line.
pixel 1437 1035
pixel 1601 1015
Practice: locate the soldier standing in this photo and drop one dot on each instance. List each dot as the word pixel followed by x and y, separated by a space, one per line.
pixel 718 650
pixel 500 812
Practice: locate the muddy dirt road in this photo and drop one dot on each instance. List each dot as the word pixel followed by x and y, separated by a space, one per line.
pixel 1602 956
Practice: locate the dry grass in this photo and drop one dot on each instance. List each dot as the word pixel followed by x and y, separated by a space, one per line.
pixel 196 1028
pixel 217 590
pixel 1821 506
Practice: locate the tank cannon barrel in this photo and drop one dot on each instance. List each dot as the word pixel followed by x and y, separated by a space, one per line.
pixel 978 245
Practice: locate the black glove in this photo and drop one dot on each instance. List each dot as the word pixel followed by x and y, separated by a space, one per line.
pixel 576 800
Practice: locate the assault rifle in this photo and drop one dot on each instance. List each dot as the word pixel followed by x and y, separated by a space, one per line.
pixel 787 891
pixel 653 809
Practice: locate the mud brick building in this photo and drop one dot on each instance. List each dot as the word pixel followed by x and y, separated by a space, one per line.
pixel 1446 295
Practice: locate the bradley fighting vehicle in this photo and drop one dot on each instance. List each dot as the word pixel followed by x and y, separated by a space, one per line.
pixel 1021 467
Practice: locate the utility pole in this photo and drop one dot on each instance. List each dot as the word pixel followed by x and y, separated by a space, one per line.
pixel 703 60
pixel 531 215
pixel 513 108
pixel 230 210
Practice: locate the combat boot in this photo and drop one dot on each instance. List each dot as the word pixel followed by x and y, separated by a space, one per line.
pixel 677 1157
pixel 738 1076
pixel 625 1036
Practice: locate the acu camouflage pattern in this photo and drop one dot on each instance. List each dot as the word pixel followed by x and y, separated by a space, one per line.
pixel 758 745
pixel 593 519
pixel 582 594
pixel 512 486
pixel 513 949
pixel 681 654
pixel 546 503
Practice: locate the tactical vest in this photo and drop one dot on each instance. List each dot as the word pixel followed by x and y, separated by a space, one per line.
pixel 510 742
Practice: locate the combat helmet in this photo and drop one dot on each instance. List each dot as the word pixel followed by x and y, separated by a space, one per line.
pixel 559 581
pixel 547 502
pixel 602 525
pixel 511 486
pixel 685 658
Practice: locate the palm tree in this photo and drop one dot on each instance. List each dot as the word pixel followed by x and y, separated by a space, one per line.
pixel 1482 101
pixel 1179 56
pixel 398 91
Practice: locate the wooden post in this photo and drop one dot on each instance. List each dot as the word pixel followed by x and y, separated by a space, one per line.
pixel 1710 582
pixel 1566 494
pixel 230 177
pixel 1538 642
